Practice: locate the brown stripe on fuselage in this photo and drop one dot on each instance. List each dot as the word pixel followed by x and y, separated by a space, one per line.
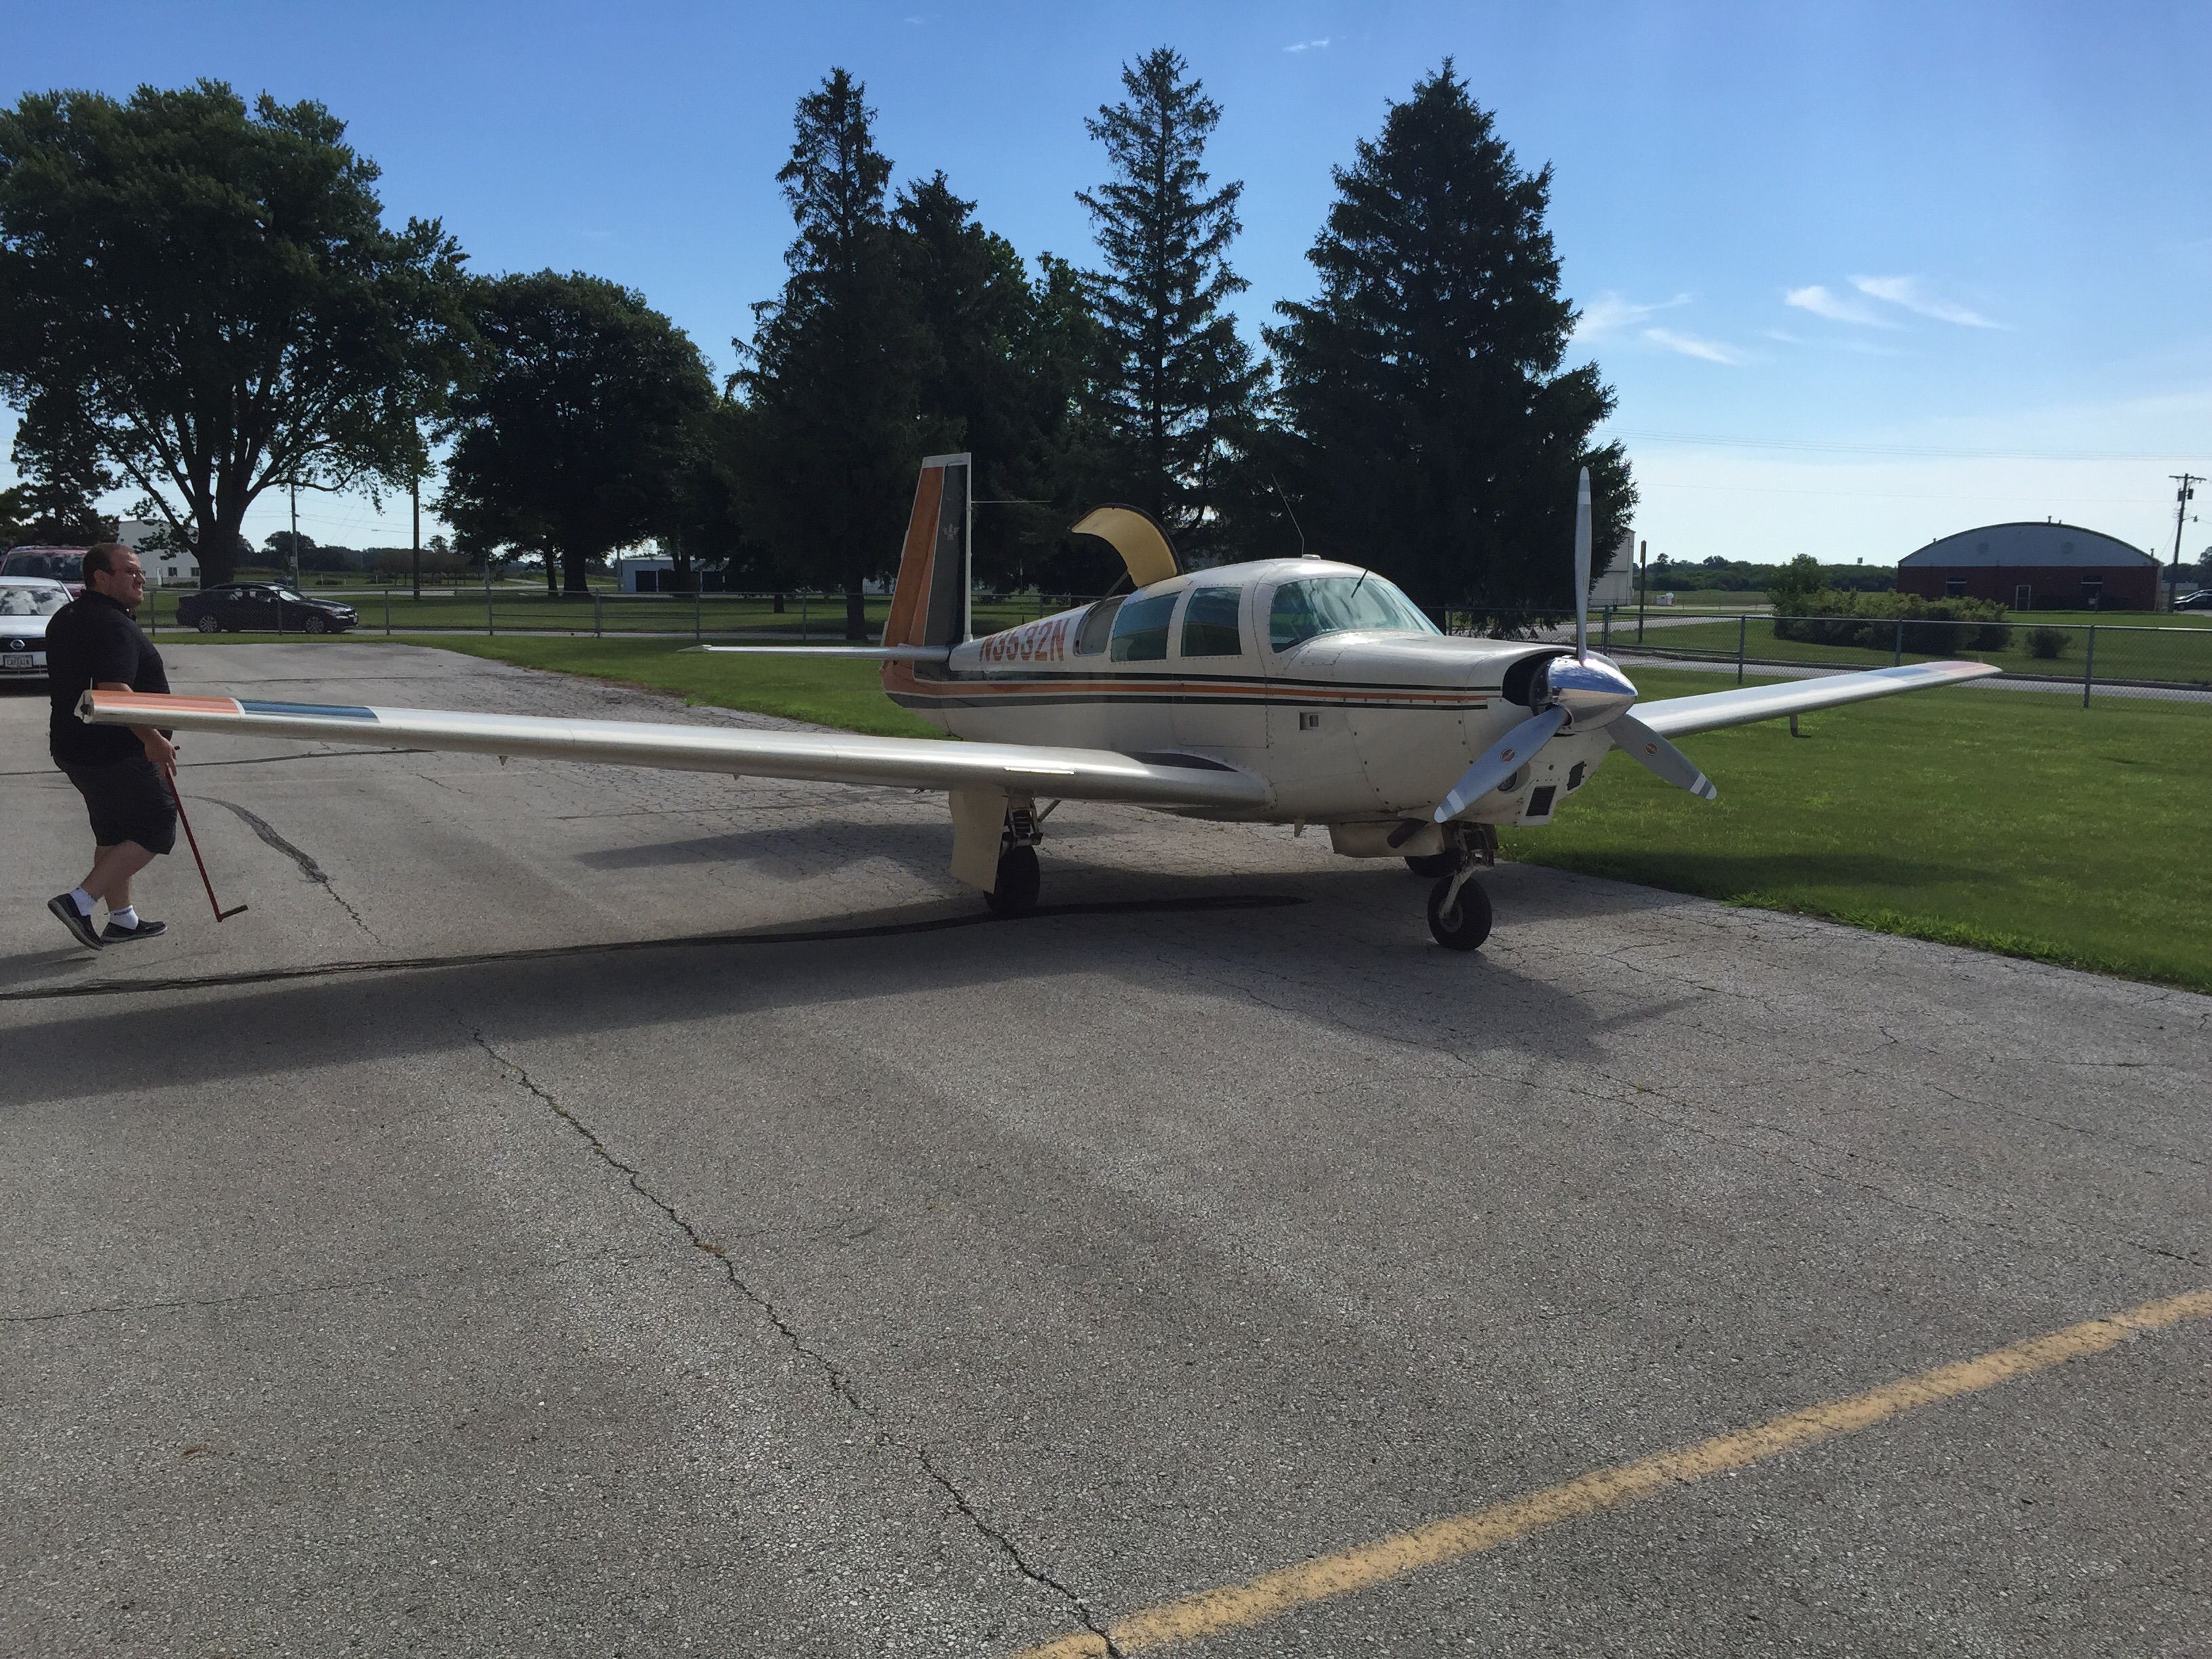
pixel 910 590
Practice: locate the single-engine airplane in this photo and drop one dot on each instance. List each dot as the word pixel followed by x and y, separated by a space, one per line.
pixel 1292 691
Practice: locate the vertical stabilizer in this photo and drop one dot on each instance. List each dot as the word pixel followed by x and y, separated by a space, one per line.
pixel 929 600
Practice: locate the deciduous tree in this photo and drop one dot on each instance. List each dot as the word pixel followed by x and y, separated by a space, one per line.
pixel 573 431
pixel 203 301
pixel 1432 431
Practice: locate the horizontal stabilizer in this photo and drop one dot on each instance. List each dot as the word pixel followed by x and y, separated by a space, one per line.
pixel 855 652
pixel 1674 716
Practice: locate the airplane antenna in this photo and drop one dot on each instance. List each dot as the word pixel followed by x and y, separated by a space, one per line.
pixel 1582 567
pixel 1286 500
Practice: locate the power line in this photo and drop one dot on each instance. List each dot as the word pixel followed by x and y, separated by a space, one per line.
pixel 1920 451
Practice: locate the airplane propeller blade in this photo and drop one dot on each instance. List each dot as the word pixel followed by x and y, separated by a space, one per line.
pixel 1501 762
pixel 1582 567
pixel 1636 739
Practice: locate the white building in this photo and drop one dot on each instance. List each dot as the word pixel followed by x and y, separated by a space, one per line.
pixel 165 566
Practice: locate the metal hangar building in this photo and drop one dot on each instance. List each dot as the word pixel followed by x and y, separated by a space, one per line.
pixel 2056 567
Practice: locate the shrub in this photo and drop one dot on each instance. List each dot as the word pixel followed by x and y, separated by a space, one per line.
pixel 2048 643
pixel 1937 627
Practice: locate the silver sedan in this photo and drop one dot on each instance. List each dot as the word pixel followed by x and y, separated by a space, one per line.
pixel 26 603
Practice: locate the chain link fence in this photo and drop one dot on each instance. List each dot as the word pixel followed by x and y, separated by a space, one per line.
pixel 2171 654
pixel 2148 654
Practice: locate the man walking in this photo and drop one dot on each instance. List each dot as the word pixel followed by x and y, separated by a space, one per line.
pixel 92 642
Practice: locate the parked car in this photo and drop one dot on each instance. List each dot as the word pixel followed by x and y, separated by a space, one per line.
pixel 65 565
pixel 26 602
pixel 2200 601
pixel 262 607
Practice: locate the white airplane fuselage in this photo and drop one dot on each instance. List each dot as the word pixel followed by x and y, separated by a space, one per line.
pixel 1357 728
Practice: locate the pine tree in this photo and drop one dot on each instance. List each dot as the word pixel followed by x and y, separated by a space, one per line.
pixel 837 365
pixel 1177 384
pixel 1429 430
pixel 975 303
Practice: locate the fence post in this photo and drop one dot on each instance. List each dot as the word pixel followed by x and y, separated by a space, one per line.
pixel 387 613
pixel 488 627
pixel 698 627
pixel 2089 665
pixel 595 617
pixel 1743 634
pixel 803 633
pixel 1900 658
pixel 1605 643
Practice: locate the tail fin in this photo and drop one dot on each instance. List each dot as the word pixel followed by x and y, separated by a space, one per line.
pixel 929 600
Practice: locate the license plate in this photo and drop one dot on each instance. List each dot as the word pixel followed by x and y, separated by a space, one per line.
pixel 16 659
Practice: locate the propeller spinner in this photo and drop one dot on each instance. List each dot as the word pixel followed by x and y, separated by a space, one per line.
pixel 1577 694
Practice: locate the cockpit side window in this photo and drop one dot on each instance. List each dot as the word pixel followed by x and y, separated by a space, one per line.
pixel 1140 632
pixel 1209 624
pixel 1091 637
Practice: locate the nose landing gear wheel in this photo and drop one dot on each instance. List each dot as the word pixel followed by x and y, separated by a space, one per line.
pixel 1015 893
pixel 1429 865
pixel 1467 924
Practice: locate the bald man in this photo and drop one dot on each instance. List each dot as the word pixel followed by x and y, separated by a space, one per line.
pixel 92 641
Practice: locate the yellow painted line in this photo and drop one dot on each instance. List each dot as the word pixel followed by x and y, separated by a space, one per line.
pixel 1255 1601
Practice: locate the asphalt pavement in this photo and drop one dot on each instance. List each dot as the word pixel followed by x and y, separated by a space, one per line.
pixel 578 1210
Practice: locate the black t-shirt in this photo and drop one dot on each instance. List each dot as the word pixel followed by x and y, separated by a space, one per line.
pixel 92 640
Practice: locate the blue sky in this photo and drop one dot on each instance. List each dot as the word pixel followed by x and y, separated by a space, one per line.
pixel 1862 274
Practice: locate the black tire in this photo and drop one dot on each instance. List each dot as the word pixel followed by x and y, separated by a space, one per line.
pixel 1019 879
pixel 317 622
pixel 206 623
pixel 1468 925
pixel 1429 865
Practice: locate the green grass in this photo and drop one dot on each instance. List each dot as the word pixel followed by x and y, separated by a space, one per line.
pixel 2012 822
pixel 828 692
pixel 2016 823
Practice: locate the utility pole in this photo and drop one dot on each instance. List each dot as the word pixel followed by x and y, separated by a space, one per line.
pixel 2186 486
pixel 292 548
pixel 417 481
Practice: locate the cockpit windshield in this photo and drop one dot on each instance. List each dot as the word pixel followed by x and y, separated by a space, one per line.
pixel 1330 604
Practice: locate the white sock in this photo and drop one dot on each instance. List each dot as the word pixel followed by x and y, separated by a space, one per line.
pixel 82 900
pixel 126 917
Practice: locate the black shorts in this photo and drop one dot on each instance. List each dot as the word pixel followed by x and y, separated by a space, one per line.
pixel 128 800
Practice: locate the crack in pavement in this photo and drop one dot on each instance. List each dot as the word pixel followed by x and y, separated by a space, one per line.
pixel 312 871
pixel 840 1383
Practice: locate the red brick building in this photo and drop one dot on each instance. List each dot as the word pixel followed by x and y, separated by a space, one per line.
pixel 2034 567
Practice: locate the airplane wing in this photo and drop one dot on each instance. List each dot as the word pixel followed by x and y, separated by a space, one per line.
pixel 1672 717
pixel 1147 780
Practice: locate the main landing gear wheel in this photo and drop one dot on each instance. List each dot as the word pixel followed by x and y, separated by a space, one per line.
pixel 1430 866
pixel 1015 893
pixel 1467 923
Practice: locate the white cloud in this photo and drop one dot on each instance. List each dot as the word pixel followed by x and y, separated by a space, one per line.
pixel 1691 345
pixel 1610 312
pixel 1308 46
pixel 1907 292
pixel 1835 307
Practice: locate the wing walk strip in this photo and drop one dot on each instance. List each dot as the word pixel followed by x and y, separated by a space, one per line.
pixel 1272 1595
